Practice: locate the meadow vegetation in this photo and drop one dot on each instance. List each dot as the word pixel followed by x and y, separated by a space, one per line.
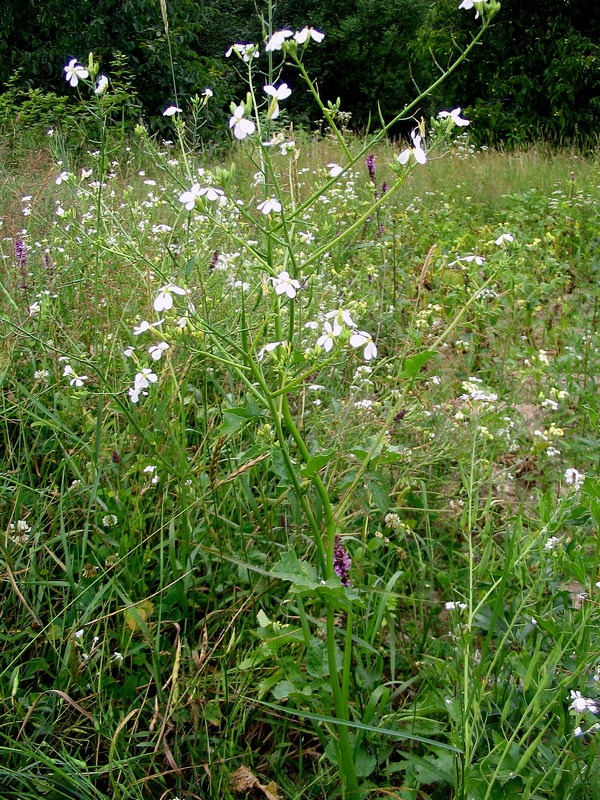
pixel 299 489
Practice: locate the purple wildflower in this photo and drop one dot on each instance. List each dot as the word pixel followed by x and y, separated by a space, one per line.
pixel 370 163
pixel 21 252
pixel 341 562
pixel 384 188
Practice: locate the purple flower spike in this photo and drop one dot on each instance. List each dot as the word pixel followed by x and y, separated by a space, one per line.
pixel 370 162
pixel 341 562
pixel 21 252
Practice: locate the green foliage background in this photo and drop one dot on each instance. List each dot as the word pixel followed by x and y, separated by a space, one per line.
pixel 536 76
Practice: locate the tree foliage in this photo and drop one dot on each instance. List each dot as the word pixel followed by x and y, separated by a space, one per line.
pixel 536 74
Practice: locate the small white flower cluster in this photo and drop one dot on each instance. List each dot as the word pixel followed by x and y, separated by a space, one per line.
pixel 151 470
pixel 19 533
pixel 574 478
pixel 475 394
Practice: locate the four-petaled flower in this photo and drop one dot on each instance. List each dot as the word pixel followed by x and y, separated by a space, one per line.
pixel 170 111
pixel 278 93
pixel 74 380
pixel 283 284
pixel 269 205
pixel 467 4
pixel 164 299
pixel 189 198
pixel 581 704
pixel 308 33
pixel 330 332
pixel 277 39
pixel 74 72
pixel 341 315
pixel 242 127
pixel 455 117
pixel 417 150
pixel 156 350
pixel 361 338
pixel 141 382
pixel 211 193
pixel 102 85
pixel 504 237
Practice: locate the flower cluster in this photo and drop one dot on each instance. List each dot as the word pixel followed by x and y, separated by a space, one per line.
pixel 341 562
pixel 141 383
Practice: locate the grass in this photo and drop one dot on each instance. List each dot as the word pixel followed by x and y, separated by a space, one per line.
pixel 172 615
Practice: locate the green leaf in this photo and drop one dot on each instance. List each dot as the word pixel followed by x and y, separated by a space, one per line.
pixel 316 659
pixel 414 364
pixel 283 690
pixel 317 462
pixel 300 573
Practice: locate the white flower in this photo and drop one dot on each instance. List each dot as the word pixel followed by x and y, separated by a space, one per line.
pixel 479 260
pixel 277 39
pixel 141 382
pixel 277 93
pixel 170 111
pixel 361 338
pixel 574 478
pixel 244 51
pixel 189 198
pixel 467 4
pixel 283 284
pixel 581 704
pixel 242 127
pixel 102 85
pixel 74 72
pixel 109 520
pixel 157 350
pixel 269 205
pixel 62 178
pixel 340 315
pixel 455 117
pixel 74 380
pixel 207 93
pixel 117 656
pixel 268 348
pixel 142 327
pixel 85 173
pixel 334 170
pixel 417 150
pixel 504 237
pixel 164 299
pixel 308 33
pixel 329 334
pixel 211 193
